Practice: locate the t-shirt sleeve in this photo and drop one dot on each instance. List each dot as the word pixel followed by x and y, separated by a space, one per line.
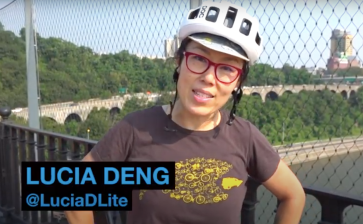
pixel 262 157
pixel 116 144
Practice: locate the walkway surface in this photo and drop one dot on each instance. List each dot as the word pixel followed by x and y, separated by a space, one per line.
pixel 3 221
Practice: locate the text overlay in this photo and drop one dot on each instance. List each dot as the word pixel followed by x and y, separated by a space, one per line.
pixel 90 185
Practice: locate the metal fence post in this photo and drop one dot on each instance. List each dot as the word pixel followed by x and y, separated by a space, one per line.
pixel 31 67
pixel 6 203
pixel 5 113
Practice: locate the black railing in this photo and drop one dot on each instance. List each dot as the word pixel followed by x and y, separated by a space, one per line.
pixel 19 143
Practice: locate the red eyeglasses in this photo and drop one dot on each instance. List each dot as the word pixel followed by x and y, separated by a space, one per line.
pixel 199 64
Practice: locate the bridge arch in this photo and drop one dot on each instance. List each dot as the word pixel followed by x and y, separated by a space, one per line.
pixel 344 94
pixel 303 91
pixel 286 92
pixel 47 118
pixel 303 94
pixel 72 117
pixel 333 91
pixel 114 111
pixel 271 95
pixel 352 93
pixel 256 94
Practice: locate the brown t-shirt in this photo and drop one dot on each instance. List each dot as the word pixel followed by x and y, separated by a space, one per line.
pixel 211 166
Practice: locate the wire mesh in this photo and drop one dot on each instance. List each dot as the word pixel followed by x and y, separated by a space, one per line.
pixel 100 60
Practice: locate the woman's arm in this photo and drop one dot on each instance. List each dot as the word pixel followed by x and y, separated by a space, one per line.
pixel 288 190
pixel 114 146
pixel 81 217
pixel 265 165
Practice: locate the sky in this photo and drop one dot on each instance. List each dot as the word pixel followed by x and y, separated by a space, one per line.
pixel 296 32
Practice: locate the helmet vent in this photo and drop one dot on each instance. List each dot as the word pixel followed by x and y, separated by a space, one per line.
pixel 230 17
pixel 258 39
pixel 246 27
pixel 212 14
pixel 193 14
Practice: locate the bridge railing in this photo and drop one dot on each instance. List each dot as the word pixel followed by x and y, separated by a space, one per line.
pixel 20 143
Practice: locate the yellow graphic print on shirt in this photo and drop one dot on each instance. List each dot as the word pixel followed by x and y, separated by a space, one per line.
pixel 196 181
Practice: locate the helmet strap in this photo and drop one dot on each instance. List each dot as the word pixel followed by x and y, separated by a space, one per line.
pixel 237 94
pixel 172 103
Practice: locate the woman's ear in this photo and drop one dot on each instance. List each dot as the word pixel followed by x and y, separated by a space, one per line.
pixel 241 80
pixel 238 84
pixel 177 61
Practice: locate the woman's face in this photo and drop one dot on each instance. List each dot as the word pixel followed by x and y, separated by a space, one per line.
pixel 203 94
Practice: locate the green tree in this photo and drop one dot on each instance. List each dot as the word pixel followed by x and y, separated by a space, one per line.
pixel 68 72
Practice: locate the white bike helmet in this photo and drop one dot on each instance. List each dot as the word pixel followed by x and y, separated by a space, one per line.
pixel 224 27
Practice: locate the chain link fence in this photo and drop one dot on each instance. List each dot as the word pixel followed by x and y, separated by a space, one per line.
pixel 99 60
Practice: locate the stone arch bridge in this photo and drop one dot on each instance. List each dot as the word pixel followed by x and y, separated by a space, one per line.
pixel 63 112
pixel 273 92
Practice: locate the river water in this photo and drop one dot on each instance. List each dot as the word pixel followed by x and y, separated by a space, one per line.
pixel 342 173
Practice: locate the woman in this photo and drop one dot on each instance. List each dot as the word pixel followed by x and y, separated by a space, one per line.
pixel 215 151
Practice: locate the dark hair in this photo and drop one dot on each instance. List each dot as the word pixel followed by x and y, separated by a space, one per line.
pixel 179 54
